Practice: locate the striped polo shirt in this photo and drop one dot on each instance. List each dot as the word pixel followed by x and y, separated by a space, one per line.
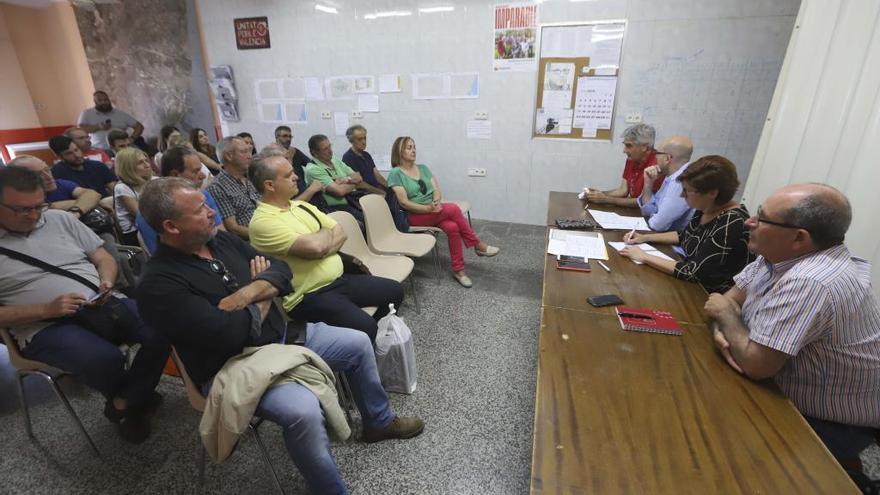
pixel 820 310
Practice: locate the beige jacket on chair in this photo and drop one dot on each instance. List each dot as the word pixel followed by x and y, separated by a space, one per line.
pixel 239 385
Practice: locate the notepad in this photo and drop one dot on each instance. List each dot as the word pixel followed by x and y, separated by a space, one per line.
pixel 647 320
pixel 612 221
pixel 647 248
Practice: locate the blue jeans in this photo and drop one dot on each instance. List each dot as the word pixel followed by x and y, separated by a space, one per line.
pixel 98 363
pixel 844 441
pixel 298 412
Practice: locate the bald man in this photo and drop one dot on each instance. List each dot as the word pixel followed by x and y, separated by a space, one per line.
pixel 60 194
pixel 804 314
pixel 666 209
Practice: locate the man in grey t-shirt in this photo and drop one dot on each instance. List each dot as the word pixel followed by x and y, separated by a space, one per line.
pixel 37 306
pixel 99 119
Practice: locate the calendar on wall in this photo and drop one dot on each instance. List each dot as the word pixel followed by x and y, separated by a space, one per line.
pixel 577 80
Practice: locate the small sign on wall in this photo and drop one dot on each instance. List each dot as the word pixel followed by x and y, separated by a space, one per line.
pixel 252 33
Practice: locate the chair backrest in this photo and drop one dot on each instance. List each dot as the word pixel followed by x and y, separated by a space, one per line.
pixel 355 244
pixel 196 399
pixel 377 216
pixel 18 361
pixel 144 245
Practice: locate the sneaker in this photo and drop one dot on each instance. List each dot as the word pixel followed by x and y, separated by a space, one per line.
pixel 489 252
pixel 464 280
pixel 401 427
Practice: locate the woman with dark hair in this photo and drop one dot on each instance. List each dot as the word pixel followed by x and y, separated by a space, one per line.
pixel 418 192
pixel 202 143
pixel 246 136
pixel 715 242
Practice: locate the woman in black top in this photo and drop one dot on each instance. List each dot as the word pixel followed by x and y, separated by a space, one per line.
pixel 715 242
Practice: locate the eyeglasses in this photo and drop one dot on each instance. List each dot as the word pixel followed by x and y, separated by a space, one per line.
pixel 760 218
pixel 24 210
pixel 661 153
pixel 423 188
pixel 219 268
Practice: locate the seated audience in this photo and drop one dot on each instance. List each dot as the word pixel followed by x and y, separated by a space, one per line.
pixel 202 144
pixel 118 140
pixel 299 160
pixel 638 146
pixel 667 210
pixel 234 193
pixel 211 294
pixel 99 119
pixel 177 139
pixel 362 162
pixel 715 241
pixel 338 179
pixel 84 142
pixel 60 194
pixel 249 140
pixel 419 193
pixel 311 194
pixel 133 168
pixel 804 313
pixel 182 162
pixel 309 241
pixel 73 167
pixel 43 309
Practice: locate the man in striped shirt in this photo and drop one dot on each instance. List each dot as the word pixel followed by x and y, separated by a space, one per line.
pixel 804 313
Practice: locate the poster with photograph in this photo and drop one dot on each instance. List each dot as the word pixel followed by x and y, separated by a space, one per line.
pixel 515 40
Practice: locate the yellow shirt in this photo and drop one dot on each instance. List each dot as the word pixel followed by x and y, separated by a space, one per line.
pixel 273 230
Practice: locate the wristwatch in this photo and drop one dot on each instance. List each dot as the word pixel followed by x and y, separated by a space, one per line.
pixel 75 209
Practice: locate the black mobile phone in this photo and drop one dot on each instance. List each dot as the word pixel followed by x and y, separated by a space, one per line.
pixel 606 300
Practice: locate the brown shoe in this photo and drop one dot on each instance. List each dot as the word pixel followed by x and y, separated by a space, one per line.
pixel 401 427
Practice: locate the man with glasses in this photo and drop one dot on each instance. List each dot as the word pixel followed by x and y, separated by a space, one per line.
pixel 61 194
pixel 212 294
pixel 337 178
pixel 804 314
pixel 40 307
pixel 299 160
pixel 309 241
pixel 638 146
pixel 667 209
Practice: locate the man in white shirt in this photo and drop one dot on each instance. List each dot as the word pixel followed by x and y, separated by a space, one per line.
pixel 99 119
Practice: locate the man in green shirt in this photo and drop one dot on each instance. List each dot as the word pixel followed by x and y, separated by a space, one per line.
pixel 338 179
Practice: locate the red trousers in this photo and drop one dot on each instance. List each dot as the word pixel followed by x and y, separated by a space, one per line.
pixel 456 227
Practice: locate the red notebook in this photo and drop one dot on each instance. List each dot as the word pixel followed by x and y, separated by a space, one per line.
pixel 647 320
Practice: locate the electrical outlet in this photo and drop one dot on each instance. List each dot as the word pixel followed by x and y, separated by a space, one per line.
pixel 326 115
pixel 481 115
pixel 633 118
pixel 476 172
pixel 357 115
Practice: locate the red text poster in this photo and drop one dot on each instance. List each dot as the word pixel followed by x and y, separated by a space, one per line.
pixel 252 33
pixel 516 26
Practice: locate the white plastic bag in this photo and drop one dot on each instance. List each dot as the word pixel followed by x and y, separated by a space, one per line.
pixel 395 354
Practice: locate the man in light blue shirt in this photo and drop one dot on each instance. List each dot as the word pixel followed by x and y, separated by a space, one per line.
pixel 667 210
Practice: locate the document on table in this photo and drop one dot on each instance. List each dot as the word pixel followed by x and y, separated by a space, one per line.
pixel 647 248
pixel 581 244
pixel 613 221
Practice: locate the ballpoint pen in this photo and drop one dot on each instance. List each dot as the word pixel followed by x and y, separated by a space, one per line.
pixel 603 265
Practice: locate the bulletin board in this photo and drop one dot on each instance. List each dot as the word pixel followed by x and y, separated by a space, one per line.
pixel 578 70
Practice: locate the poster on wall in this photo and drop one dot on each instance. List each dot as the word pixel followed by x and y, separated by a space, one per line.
pixel 223 86
pixel 251 33
pixel 514 45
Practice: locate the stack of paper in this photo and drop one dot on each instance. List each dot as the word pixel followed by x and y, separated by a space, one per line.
pixel 581 244
pixel 647 248
pixel 613 221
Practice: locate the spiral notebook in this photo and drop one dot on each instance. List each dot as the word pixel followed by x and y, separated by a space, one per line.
pixel 647 320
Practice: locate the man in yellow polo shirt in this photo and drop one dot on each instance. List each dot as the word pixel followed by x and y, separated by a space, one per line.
pixel 308 241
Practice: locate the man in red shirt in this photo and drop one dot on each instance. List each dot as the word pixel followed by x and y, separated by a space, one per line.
pixel 638 146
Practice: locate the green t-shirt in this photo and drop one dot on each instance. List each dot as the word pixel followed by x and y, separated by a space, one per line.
pixel 413 190
pixel 316 171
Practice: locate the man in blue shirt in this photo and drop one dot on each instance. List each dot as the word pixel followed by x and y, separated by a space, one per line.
pixel 181 162
pixel 73 167
pixel 667 210
pixel 60 194
pixel 360 161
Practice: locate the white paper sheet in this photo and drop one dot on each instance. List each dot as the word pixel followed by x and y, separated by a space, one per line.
pixel 389 83
pixel 364 84
pixel 429 86
pixel 647 248
pixel 566 41
pixel 581 244
pixel 606 41
pixel 613 221
pixel 267 89
pixel 464 85
pixel 340 88
pixel 594 102
pixel 340 122
pixel 293 89
pixel 295 112
pixel 314 88
pixel 271 112
pixel 553 121
pixel 479 129
pixel 368 103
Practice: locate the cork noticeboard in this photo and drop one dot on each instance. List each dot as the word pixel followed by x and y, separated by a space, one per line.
pixel 578 68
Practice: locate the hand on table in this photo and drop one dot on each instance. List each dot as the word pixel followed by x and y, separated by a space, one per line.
pixel 724 348
pixel 596 196
pixel 634 253
pixel 718 306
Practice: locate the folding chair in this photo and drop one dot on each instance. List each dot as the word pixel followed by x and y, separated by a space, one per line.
pixel 383 237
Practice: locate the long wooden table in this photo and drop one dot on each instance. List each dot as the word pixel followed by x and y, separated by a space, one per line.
pixel 625 412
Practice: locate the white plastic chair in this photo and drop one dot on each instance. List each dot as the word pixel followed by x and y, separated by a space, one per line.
pixel 383 236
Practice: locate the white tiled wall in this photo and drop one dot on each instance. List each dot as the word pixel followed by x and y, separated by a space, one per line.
pixel 705 69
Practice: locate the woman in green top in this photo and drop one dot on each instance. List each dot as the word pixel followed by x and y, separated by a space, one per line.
pixel 419 194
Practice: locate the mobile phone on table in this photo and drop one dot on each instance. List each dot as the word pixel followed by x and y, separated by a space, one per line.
pixel 606 300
